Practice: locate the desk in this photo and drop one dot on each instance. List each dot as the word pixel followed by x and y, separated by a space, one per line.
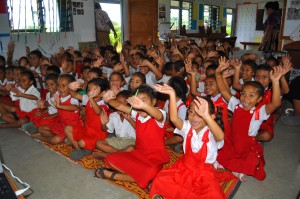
pixel 14 186
pixel 246 43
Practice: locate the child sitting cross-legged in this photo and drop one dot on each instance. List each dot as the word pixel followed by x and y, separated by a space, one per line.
pixel 119 123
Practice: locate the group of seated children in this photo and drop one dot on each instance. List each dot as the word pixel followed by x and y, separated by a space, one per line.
pixel 125 108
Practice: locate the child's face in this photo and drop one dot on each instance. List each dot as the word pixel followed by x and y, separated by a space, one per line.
pixel 16 75
pixel 195 67
pixel 144 69
pixel 198 60
pixel 135 82
pixel 211 87
pixel 91 75
pixel 2 74
pixel 115 81
pixel 44 69
pixel 25 82
pixel 249 97
pixel 92 87
pixel 23 62
pixel 197 123
pixel 122 100
pixel 147 100
pixel 84 75
pixel 9 75
pixel 263 77
pixel 63 87
pixel 247 72
pixel 34 60
pixel 51 86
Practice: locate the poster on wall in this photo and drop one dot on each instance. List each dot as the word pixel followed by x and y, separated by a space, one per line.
pixel 293 11
pixel 77 8
pixel 292 17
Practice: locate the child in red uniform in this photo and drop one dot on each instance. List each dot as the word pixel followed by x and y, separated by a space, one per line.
pixel 241 152
pixel 84 138
pixel 193 175
pixel 142 162
pixel 68 113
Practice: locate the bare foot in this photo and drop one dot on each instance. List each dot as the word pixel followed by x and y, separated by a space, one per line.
pixel 99 155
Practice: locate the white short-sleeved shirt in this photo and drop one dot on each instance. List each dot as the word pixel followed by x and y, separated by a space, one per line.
pixel 196 141
pixel 122 129
pixel 165 79
pixel 145 119
pixel 254 124
pixel 215 98
pixel 51 109
pixel 107 71
pixel 4 82
pixel 181 111
pixel 27 105
pixel 200 88
pixel 150 78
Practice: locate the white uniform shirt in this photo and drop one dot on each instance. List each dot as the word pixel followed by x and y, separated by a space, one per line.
pixel 122 129
pixel 181 112
pixel 145 119
pixel 4 82
pixel 85 100
pixel 196 141
pixel 38 71
pixel 27 105
pixel 165 79
pixel 254 124
pixel 215 98
pixel 150 78
pixel 200 88
pixel 51 109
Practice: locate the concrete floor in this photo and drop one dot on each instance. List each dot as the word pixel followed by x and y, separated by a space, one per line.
pixel 52 176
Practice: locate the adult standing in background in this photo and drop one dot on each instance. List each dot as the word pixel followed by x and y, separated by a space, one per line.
pixel 103 26
pixel 272 27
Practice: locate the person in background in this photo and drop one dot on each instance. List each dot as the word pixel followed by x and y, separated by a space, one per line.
pixel 103 26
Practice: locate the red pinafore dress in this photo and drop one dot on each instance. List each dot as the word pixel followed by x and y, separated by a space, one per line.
pixel 63 119
pixel 92 131
pixel 143 163
pixel 242 153
pixel 220 103
pixel 190 177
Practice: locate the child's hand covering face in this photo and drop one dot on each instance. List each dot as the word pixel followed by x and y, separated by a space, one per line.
pixel 201 107
pixel 93 93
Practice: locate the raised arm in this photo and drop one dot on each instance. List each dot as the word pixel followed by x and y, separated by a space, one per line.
pixel 110 96
pixel 287 65
pixel 237 64
pixel 166 89
pixel 74 86
pixel 191 77
pixel 156 71
pixel 202 110
pixel 223 65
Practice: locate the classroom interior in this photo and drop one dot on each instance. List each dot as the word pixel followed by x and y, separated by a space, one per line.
pixel 51 175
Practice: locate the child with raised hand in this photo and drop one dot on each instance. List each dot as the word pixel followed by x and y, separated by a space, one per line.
pixel 152 73
pixel 28 97
pixel 67 110
pixel 83 138
pixel 149 154
pixel 242 153
pixel 119 123
pixel 193 175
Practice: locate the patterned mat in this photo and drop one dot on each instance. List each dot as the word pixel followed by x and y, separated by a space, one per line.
pixel 229 187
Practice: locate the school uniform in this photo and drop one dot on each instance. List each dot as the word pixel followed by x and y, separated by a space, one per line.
pixel 26 105
pixel 150 78
pixel 38 71
pixel 143 163
pixel 65 118
pixel 193 175
pixel 92 131
pixel 164 79
pixel 242 153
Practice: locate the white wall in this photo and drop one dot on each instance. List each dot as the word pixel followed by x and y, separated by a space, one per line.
pixel 84 31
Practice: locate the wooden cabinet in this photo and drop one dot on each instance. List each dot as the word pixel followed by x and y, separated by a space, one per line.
pixel 142 21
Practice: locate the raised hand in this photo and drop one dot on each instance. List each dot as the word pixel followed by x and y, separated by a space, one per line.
pixel 93 93
pixel 136 102
pixel 104 117
pixel 235 62
pixel 188 67
pixel 227 73
pixel 109 95
pixel 212 54
pixel 223 64
pixel 165 89
pixel 276 73
pixel 118 67
pixel 40 104
pixel 56 101
pixel 17 92
pixel 11 47
pixel 201 107
pixel 76 85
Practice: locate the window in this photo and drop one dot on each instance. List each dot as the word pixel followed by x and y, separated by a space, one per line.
pixel 40 15
pixel 186 15
pixel 211 16
pixel 229 22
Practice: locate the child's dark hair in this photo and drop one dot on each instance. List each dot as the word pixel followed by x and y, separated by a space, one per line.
pixel 52 76
pixel 85 68
pixel 141 76
pixel 20 68
pixel 97 71
pixel 68 56
pixel 168 67
pixel 78 53
pixel 3 68
pixel 54 69
pixel 251 63
pixel 118 74
pixel 145 89
pixel 179 86
pixel 10 68
pixel 124 93
pixel 102 83
pixel 259 87
pixel 68 77
pixel 179 65
pixel 2 59
pixel 37 53
pixel 272 58
pixel 115 59
pixel 212 66
pixel 87 60
pixel 30 76
pixel 211 77
pixel 264 67
pixel 25 58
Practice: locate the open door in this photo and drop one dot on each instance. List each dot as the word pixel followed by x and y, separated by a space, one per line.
pixel 142 21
